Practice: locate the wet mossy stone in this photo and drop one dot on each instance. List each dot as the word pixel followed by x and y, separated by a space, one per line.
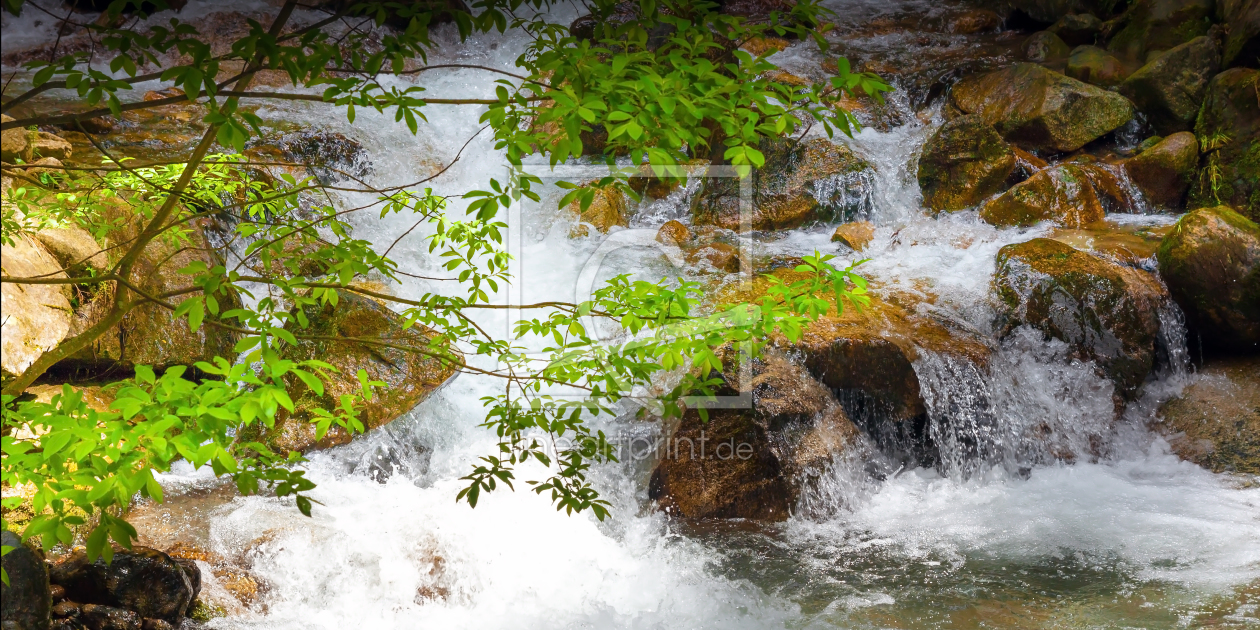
pixel 1211 263
pixel 1106 313
pixel 1044 46
pixel 1038 109
pixel 1229 172
pixel 143 580
pixel 1170 89
pixel 1215 421
pixel 355 334
pixel 1063 194
pixel 754 462
pixel 25 600
pixel 1242 27
pixel 1163 172
pixel 1161 25
pixel 802 183
pixel 1078 29
pixel 965 162
pixel 1095 66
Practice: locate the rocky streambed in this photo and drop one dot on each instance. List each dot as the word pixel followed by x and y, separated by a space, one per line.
pixel 1046 417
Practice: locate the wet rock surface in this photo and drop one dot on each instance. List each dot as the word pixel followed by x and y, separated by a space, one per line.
pixel 1170 89
pixel 357 334
pixel 1107 313
pixel 963 163
pixel 1215 421
pixel 1211 263
pixel 35 317
pixel 25 601
pixel 1063 194
pixel 802 183
pixel 751 463
pixel 1228 129
pixel 142 582
pixel 1036 108
pixel 1165 171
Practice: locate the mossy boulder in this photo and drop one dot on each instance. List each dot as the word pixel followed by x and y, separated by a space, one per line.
pixel 1062 194
pixel 359 334
pixel 1154 25
pixel 753 463
pixel 1229 124
pixel 1215 421
pixel 1170 89
pixel 1095 66
pixel 867 359
pixel 1163 172
pixel 1242 27
pixel 802 182
pixel 1105 312
pixel 1211 263
pixel 1039 109
pixel 1078 29
pixel 965 162
pixel 149 334
pixel 34 318
pixel 1045 47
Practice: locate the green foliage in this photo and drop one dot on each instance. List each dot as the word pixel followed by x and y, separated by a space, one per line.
pixel 668 86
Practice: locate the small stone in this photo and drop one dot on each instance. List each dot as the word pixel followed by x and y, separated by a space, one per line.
pixel 66 610
pixel 673 233
pixel 856 235
pixel 47 145
pixel 721 256
pixel 157 95
pixel 14 142
pixel 975 21
pixel 99 617
pixel 157 624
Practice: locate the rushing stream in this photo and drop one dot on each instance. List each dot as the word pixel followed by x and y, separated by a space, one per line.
pixel 996 536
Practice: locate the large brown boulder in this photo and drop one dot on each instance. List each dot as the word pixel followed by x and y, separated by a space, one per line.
pixel 1242 27
pixel 1105 312
pixel 753 462
pixel 25 603
pixel 1164 172
pixel 803 182
pixel 358 333
pixel 1215 421
pixel 34 318
pixel 965 162
pixel 1062 194
pixel 868 360
pixel 149 334
pixel 1229 128
pixel 143 580
pixel 1211 263
pixel 1039 109
pixel 1157 25
pixel 1170 89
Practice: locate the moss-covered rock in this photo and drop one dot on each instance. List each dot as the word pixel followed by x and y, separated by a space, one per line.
pixel 1170 89
pixel 1045 47
pixel 149 334
pixel 1211 263
pixel 1062 194
pixel 1215 422
pixel 1242 28
pixel 1164 171
pixel 1078 29
pixel 34 318
pixel 359 334
pixel 801 183
pixel 752 463
pixel 1036 108
pixel 1228 129
pixel 867 359
pixel 1095 66
pixel 965 162
pixel 1154 25
pixel 1106 313
pixel 1125 243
